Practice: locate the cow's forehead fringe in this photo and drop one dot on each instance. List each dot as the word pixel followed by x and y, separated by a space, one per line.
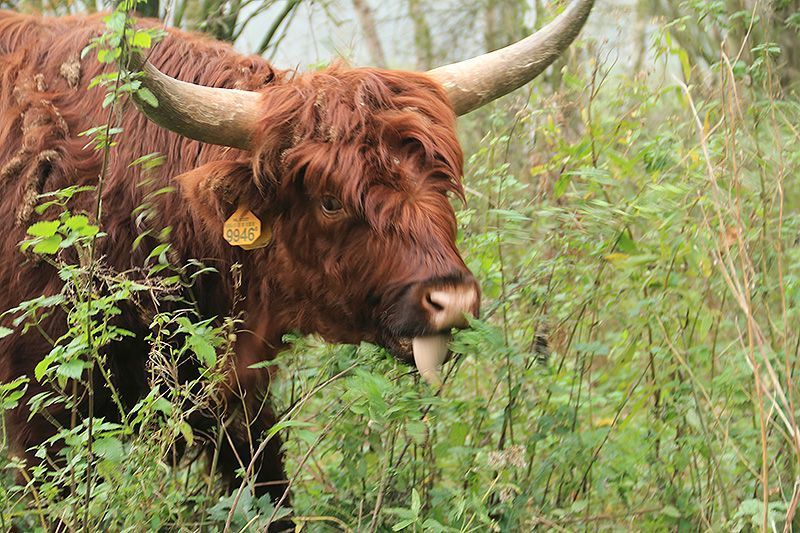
pixel 349 129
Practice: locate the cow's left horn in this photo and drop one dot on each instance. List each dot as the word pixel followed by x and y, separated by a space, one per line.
pixel 211 115
pixel 475 82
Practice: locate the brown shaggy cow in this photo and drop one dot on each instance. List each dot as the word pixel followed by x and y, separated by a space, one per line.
pixel 350 168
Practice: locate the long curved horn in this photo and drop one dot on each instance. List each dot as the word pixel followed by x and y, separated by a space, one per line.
pixel 211 115
pixel 475 82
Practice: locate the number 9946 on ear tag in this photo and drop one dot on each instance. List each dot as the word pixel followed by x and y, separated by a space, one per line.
pixel 243 229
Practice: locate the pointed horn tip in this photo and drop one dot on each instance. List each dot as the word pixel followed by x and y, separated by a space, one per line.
pixel 475 82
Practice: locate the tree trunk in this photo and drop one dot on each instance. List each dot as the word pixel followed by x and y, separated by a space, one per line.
pixel 423 43
pixel 367 21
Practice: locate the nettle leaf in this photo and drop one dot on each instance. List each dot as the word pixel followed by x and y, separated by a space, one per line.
pixel 71 369
pixel 116 21
pixel 561 185
pixel 48 246
pixel 204 350
pixel 44 365
pixel 12 392
pixel 44 228
pixel 162 405
pixel 109 448
pixel 109 99
pixel 108 56
pixel 76 222
pixel 158 250
pixel 88 48
pixel 141 40
pixel 5 332
pixel 90 230
pixel 150 161
pixel 11 385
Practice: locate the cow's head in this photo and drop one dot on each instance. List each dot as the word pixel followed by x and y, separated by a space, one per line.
pixel 359 165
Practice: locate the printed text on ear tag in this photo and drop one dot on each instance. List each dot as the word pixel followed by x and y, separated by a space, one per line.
pixel 243 229
pixel 262 241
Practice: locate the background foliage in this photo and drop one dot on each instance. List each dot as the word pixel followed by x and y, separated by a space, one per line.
pixel 635 231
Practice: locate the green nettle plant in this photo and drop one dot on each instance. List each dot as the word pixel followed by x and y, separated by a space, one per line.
pixel 636 238
pixel 109 472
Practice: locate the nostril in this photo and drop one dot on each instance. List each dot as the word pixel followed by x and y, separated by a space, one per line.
pixel 448 306
pixel 432 302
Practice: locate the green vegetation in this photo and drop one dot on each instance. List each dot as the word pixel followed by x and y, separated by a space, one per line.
pixel 636 238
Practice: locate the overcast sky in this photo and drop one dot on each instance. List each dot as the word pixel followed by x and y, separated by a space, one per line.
pixel 315 38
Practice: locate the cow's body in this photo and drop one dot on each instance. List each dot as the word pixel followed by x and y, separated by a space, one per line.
pixel 382 142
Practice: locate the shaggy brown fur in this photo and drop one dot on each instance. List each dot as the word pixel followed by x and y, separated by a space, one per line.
pixel 381 142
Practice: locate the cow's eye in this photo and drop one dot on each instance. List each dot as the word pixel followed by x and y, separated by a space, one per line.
pixel 330 205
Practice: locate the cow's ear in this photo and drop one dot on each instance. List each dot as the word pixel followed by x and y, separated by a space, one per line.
pixel 215 190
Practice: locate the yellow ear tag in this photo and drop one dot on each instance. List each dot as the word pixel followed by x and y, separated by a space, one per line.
pixel 243 229
pixel 261 242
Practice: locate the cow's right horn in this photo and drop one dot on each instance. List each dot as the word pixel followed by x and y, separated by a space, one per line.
pixel 211 115
pixel 475 82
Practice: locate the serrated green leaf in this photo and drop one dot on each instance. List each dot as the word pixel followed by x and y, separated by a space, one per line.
pixel 110 97
pixel 48 246
pixel 11 385
pixel 44 228
pixel 109 448
pixel 561 185
pixel 76 222
pixel 162 405
pixel 204 350
pixel 141 40
pixel 71 369
pixel 158 250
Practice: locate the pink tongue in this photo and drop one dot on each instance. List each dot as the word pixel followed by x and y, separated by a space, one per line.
pixel 429 354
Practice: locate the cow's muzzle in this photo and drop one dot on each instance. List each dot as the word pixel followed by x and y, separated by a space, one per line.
pixel 445 303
